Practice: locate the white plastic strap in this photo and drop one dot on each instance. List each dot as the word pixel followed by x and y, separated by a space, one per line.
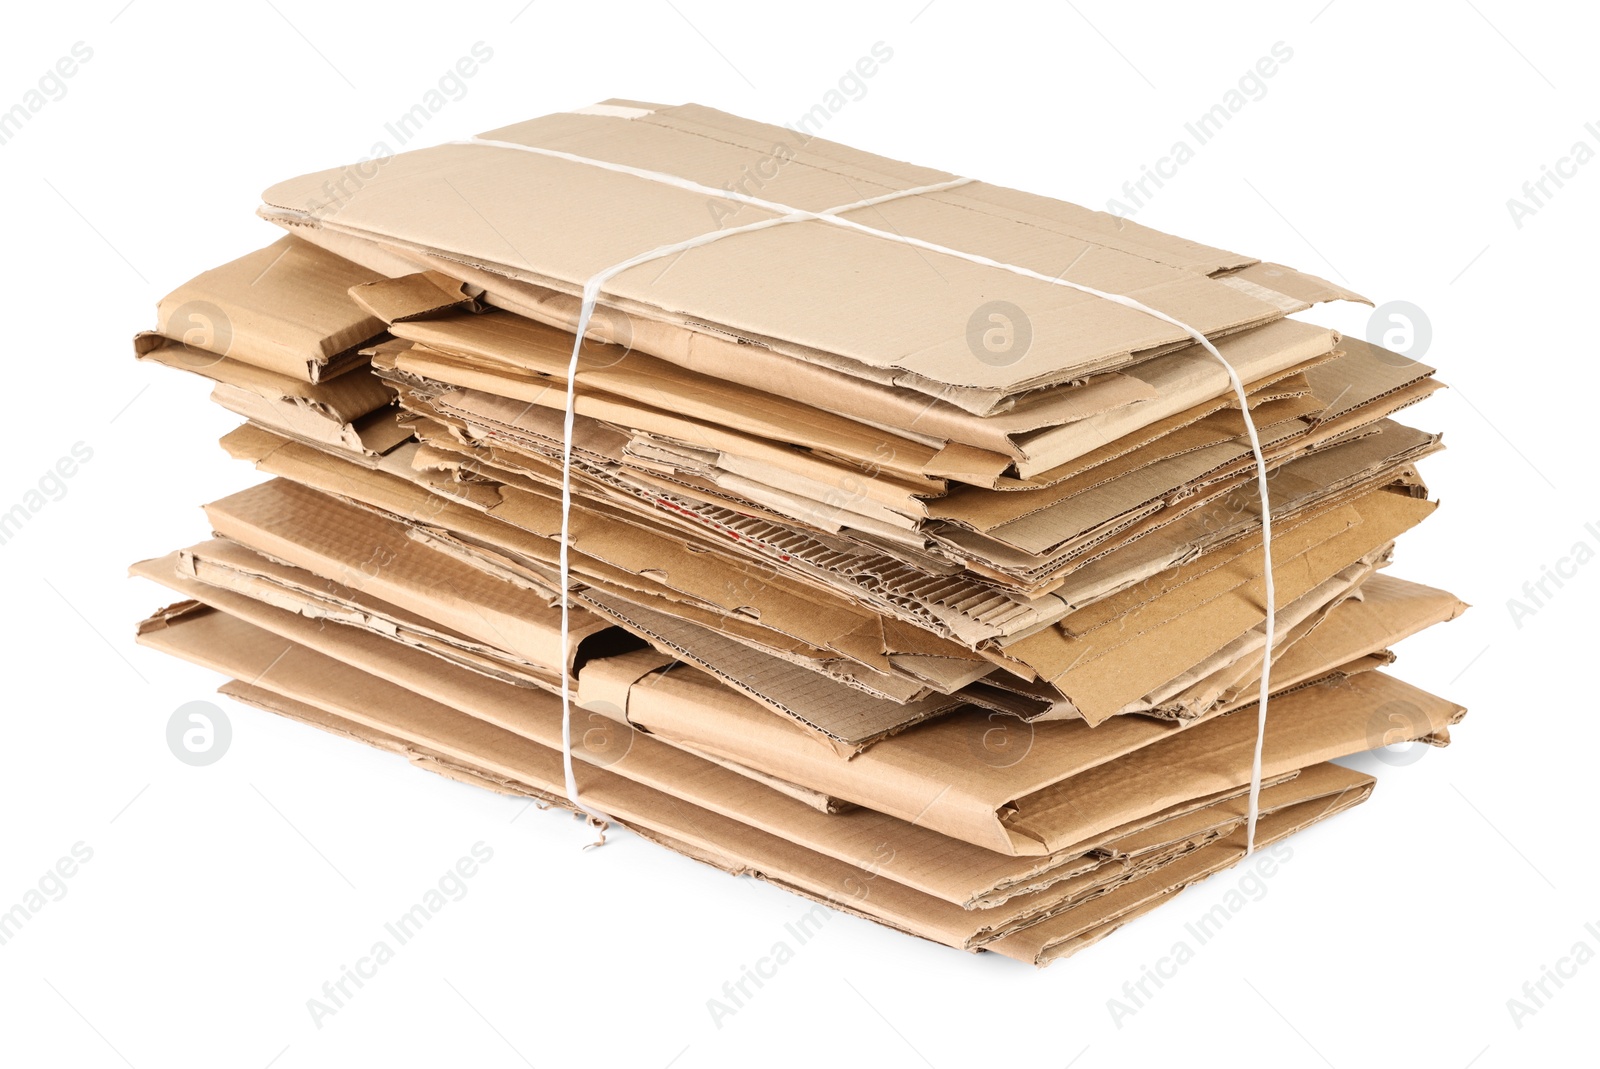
pixel 786 214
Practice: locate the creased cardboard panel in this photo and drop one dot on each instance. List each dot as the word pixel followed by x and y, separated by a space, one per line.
pixel 591 218
pixel 342 400
pixel 1061 936
pixel 1103 670
pixel 225 564
pixel 285 308
pixel 302 527
pixel 1355 635
pixel 507 341
pixel 1032 806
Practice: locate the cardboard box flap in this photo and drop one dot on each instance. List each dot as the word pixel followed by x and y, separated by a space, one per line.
pixel 343 399
pixel 423 295
pixel 928 772
pixel 1182 380
pixel 1310 725
pixel 1389 609
pixel 284 308
pixel 371 435
pixel 1060 936
pixel 1284 285
pixel 309 530
pixel 1353 637
pixel 1365 373
pixel 1104 670
pixel 849 718
pixel 221 563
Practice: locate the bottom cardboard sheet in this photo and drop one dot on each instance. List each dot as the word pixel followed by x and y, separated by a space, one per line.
pixel 1036 927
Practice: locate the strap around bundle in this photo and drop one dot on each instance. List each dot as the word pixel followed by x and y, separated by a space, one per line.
pixel 785 214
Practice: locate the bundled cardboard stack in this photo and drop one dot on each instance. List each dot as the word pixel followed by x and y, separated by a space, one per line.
pixel 901 574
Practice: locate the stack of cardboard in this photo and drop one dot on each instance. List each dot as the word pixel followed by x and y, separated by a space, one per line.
pixel 912 582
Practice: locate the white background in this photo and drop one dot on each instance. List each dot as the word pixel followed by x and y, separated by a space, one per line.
pixel 219 899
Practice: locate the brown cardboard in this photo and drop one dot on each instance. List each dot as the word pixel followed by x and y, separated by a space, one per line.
pixel 1065 934
pixel 1340 401
pixel 289 523
pixel 285 308
pixel 857 890
pixel 824 551
pixel 942 866
pixel 343 400
pixel 487 352
pixel 1354 636
pixel 230 566
pixel 368 436
pixel 927 773
pixel 859 733
pixel 467 746
pixel 605 217
pixel 1100 672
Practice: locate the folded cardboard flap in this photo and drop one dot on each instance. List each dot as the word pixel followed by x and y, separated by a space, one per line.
pixel 371 435
pixel 1039 803
pixel 285 308
pixel 1101 672
pixel 1355 636
pixel 342 400
pixel 1170 467
pixel 845 717
pixel 423 295
pixel 1182 381
pixel 842 718
pixel 1059 937
pixel 225 564
pixel 286 522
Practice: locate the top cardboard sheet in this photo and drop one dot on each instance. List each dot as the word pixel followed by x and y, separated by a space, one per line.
pixel 860 300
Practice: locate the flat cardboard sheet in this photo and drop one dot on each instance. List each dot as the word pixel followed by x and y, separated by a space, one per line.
pixel 458 203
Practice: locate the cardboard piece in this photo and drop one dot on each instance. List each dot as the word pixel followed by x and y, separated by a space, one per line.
pixel 285 308
pixel 590 217
pixel 941 604
pixel 461 744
